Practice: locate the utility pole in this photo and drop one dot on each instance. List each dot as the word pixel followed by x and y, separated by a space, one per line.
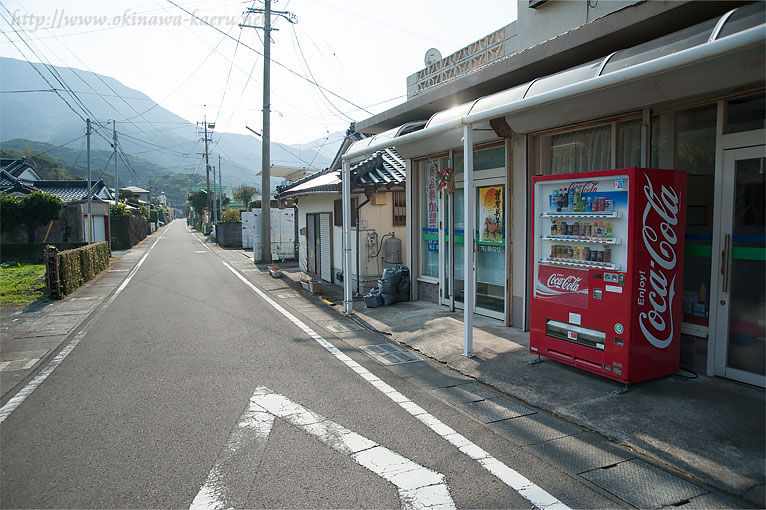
pixel 215 201
pixel 266 146
pixel 89 186
pixel 220 184
pixel 207 164
pixel 116 177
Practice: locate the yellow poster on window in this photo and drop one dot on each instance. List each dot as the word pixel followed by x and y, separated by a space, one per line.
pixel 491 207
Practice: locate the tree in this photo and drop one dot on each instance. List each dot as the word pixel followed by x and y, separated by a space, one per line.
pixel 244 193
pixel 230 215
pixel 33 210
pixel 10 213
pixel 198 200
pixel 128 196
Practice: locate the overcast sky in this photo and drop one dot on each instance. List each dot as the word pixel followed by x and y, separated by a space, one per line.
pixel 359 50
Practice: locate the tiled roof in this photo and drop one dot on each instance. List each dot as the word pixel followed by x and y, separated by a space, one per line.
pixel 384 168
pixel 16 167
pixel 67 191
pixel 6 179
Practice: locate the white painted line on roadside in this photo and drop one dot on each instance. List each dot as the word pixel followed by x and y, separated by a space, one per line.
pixel 418 486
pixel 132 273
pixel 512 478
pixel 27 390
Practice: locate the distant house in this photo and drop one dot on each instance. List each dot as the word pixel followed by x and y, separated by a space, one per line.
pixel 377 219
pixel 143 194
pixel 73 219
pixel 20 169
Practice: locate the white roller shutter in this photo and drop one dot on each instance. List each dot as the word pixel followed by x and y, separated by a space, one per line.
pixel 325 238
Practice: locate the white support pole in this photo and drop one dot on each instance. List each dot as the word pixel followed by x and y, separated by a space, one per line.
pixel 346 198
pixel 468 242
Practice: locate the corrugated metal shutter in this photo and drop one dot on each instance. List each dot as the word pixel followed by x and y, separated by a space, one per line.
pixel 325 237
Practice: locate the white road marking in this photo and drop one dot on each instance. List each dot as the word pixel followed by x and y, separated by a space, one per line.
pixel 132 273
pixel 418 486
pixel 512 478
pixel 27 390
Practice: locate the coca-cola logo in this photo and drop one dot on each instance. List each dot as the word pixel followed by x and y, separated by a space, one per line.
pixel 584 187
pixel 564 283
pixel 659 235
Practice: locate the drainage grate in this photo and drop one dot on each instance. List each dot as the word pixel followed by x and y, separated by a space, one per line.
pixel 390 354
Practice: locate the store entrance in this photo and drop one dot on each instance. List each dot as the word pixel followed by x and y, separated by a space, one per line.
pixel 489 249
pixel 741 310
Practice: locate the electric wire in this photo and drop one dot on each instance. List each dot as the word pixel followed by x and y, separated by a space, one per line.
pixel 272 60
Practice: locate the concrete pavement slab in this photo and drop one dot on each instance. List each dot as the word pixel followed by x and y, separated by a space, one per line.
pixel 644 485
pixel 579 453
pixel 534 429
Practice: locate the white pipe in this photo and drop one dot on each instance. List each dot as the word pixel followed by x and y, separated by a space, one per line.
pixel 346 198
pixel 469 214
pixel 706 51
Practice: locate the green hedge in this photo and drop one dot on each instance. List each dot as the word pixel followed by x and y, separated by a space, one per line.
pixel 81 264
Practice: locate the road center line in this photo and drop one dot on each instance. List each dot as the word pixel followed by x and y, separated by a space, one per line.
pixel 512 478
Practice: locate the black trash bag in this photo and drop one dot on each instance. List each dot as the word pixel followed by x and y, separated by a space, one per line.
pixel 373 299
pixel 403 287
pixel 389 280
pixel 403 284
pixel 388 299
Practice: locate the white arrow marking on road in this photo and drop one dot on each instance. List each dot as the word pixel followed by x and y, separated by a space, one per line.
pixel 418 486
pixel 512 478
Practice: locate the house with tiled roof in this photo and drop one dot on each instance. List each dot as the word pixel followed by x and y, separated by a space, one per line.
pixel 19 168
pixel 18 178
pixel 378 216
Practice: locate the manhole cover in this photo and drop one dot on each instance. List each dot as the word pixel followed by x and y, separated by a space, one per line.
pixel 390 354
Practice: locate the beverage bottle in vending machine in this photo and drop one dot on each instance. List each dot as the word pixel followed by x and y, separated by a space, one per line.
pixel 571 200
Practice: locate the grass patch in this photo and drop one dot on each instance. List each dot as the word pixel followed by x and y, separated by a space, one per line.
pixel 22 284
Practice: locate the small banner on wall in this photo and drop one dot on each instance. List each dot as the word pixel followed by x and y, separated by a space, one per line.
pixel 491 215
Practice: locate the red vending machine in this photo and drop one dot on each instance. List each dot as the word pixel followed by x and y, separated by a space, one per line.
pixel 607 280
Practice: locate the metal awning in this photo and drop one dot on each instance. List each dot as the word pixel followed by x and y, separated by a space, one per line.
pixel 716 55
pixel 721 54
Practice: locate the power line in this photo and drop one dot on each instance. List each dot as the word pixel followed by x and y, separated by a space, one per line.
pixel 272 60
pixel 303 57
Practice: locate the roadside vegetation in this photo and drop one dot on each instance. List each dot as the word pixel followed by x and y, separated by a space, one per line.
pixel 21 284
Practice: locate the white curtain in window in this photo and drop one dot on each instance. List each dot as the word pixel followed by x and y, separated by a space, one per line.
pixel 582 151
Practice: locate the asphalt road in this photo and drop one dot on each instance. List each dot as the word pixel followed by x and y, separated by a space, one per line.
pixel 205 382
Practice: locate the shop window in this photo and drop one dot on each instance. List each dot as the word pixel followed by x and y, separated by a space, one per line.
pixel 483 159
pixel 400 208
pixel 686 140
pixel 429 216
pixel 629 144
pixel 583 150
pixel 745 114
pixel 338 212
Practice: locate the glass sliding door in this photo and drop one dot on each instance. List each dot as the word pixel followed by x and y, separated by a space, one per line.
pixel 741 317
pixel 490 249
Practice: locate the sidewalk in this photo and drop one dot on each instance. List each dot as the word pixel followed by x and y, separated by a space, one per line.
pixel 709 429
pixel 31 336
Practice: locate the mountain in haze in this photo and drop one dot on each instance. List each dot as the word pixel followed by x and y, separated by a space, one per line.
pixel 30 111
